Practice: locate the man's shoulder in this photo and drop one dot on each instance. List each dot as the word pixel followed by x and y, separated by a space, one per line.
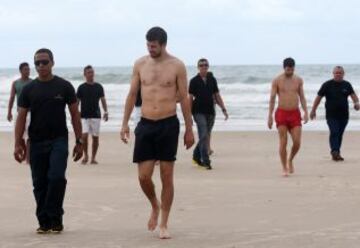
pixel 142 60
pixel 61 80
pixel 194 78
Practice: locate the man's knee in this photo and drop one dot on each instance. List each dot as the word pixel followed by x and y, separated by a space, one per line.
pixel 144 178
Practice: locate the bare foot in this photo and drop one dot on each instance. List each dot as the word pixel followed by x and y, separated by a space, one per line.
pixel 164 233
pixel 84 161
pixel 94 162
pixel 153 221
pixel 291 167
pixel 285 173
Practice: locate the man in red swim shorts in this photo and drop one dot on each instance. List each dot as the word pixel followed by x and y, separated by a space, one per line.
pixel 289 89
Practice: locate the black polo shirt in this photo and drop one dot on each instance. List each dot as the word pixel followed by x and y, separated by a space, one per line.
pixel 203 92
pixel 46 102
pixel 336 94
pixel 89 95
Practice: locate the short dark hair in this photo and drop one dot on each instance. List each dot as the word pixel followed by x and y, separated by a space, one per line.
pixel 157 34
pixel 87 68
pixel 289 62
pixel 202 60
pixel 22 65
pixel 46 50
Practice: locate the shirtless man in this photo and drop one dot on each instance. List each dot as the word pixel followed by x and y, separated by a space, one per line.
pixel 161 78
pixel 289 88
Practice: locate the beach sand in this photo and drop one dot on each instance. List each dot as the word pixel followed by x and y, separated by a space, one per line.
pixel 243 202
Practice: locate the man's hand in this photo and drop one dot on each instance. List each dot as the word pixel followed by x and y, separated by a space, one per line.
pixel 106 117
pixel 125 134
pixel 313 115
pixel 225 114
pixel 188 138
pixel 357 106
pixel 20 151
pixel 306 118
pixel 10 117
pixel 270 122
pixel 78 152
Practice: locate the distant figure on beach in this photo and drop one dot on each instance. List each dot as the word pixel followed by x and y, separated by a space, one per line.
pixel 289 89
pixel 336 91
pixel 203 91
pixel 15 91
pixel 159 76
pixel 46 98
pixel 89 94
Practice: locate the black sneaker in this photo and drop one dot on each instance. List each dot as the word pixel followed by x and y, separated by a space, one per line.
pixel 57 228
pixel 43 230
pixel 207 166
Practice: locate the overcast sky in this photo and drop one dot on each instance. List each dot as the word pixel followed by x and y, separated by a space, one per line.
pixel 112 32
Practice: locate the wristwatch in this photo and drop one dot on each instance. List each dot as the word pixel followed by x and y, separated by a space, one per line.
pixel 79 141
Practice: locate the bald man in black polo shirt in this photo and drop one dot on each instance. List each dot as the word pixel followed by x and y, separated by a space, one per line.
pixel 336 91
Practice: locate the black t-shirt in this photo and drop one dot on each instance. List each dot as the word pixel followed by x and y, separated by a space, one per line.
pixel 46 102
pixel 336 94
pixel 89 95
pixel 203 93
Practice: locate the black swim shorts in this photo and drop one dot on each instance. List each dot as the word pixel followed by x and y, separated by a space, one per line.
pixel 156 140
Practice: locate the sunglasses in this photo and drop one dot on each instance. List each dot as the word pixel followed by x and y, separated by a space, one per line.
pixel 42 61
pixel 203 65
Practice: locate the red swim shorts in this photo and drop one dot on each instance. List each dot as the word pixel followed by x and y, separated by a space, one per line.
pixel 288 118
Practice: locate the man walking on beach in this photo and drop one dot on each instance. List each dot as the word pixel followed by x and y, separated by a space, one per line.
pixel 160 76
pixel 16 88
pixel 289 89
pixel 89 95
pixel 203 90
pixel 336 92
pixel 46 98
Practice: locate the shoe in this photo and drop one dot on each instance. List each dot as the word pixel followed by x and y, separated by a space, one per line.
pixel 57 228
pixel 43 230
pixel 335 156
pixel 196 162
pixel 207 166
pixel 340 158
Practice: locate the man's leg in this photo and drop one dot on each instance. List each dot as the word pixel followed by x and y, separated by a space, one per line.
pixel 211 122
pixel 167 196
pixel 334 137
pixel 343 125
pixel 296 139
pixel 203 134
pixel 39 163
pixel 85 145
pixel 145 171
pixel 282 130
pixel 95 146
pixel 57 183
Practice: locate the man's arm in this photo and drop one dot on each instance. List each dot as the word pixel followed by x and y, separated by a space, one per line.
pixel 76 123
pixel 130 103
pixel 104 106
pixel 355 99
pixel 303 101
pixel 272 100
pixel 75 119
pixel 315 106
pixel 182 87
pixel 220 102
pixel 20 147
pixel 11 102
